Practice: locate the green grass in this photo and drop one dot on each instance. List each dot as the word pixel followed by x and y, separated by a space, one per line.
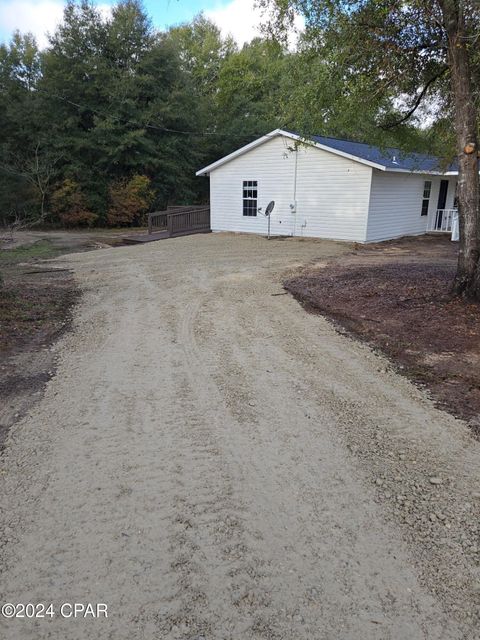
pixel 43 249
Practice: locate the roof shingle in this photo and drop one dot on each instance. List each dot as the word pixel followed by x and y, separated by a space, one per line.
pixel 388 157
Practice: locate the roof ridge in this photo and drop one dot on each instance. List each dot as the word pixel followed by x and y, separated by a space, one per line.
pixel 376 146
pixel 318 135
pixel 373 146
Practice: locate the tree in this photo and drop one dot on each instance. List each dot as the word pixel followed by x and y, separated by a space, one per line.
pixel 69 203
pixel 250 92
pixel 396 56
pixel 26 165
pixel 129 199
pixel 119 104
pixel 460 29
pixel 73 86
pixel 202 53
pixel 36 169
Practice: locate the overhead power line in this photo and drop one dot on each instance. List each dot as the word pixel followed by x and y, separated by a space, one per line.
pixel 145 125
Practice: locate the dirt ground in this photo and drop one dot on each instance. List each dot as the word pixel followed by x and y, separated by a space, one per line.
pixel 214 463
pixel 35 303
pixel 66 240
pixel 396 296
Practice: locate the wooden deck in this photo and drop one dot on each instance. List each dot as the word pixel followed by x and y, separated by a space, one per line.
pixel 137 238
pixel 172 223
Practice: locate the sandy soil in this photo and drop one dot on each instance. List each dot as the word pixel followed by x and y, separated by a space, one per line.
pixel 214 463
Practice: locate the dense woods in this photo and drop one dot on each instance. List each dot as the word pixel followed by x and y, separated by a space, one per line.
pixel 113 118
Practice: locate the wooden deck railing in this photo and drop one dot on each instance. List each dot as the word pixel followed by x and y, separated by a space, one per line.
pixel 157 221
pixel 191 220
pixel 180 220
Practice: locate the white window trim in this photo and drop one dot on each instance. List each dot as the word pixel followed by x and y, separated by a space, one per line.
pixel 249 198
pixel 426 198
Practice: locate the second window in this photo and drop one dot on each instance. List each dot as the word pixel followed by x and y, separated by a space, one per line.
pixel 427 189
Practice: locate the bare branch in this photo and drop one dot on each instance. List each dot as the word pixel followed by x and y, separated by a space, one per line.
pixel 417 102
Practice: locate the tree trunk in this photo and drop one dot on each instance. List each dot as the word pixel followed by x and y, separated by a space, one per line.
pixel 467 280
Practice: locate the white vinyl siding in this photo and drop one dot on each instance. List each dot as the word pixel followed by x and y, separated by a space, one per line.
pixel 332 193
pixel 396 204
pixel 332 196
pixel 271 166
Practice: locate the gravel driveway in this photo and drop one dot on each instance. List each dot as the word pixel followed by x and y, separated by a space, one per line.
pixel 212 462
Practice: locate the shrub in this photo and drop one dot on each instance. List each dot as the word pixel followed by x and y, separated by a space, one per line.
pixel 129 199
pixel 69 204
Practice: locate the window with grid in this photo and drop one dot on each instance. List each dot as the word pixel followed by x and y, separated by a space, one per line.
pixel 249 197
pixel 427 190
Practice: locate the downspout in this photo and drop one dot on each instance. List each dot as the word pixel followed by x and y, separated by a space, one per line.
pixel 295 192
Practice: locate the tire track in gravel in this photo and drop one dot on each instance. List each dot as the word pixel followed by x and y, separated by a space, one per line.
pixel 214 559
pixel 270 620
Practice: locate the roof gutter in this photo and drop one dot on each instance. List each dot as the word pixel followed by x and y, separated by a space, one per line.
pixel 422 172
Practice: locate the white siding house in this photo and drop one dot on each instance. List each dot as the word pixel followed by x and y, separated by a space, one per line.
pixel 327 188
pixel 396 204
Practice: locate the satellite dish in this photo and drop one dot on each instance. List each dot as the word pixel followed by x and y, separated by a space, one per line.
pixel 269 208
pixel 267 213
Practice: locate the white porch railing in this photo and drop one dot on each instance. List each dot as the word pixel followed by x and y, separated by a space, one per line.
pixel 443 221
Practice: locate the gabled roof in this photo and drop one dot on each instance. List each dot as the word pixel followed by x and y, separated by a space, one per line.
pixel 388 159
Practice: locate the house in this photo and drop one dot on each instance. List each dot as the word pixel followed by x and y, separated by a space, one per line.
pixel 329 188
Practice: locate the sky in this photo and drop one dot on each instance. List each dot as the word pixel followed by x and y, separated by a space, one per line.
pixel 238 17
